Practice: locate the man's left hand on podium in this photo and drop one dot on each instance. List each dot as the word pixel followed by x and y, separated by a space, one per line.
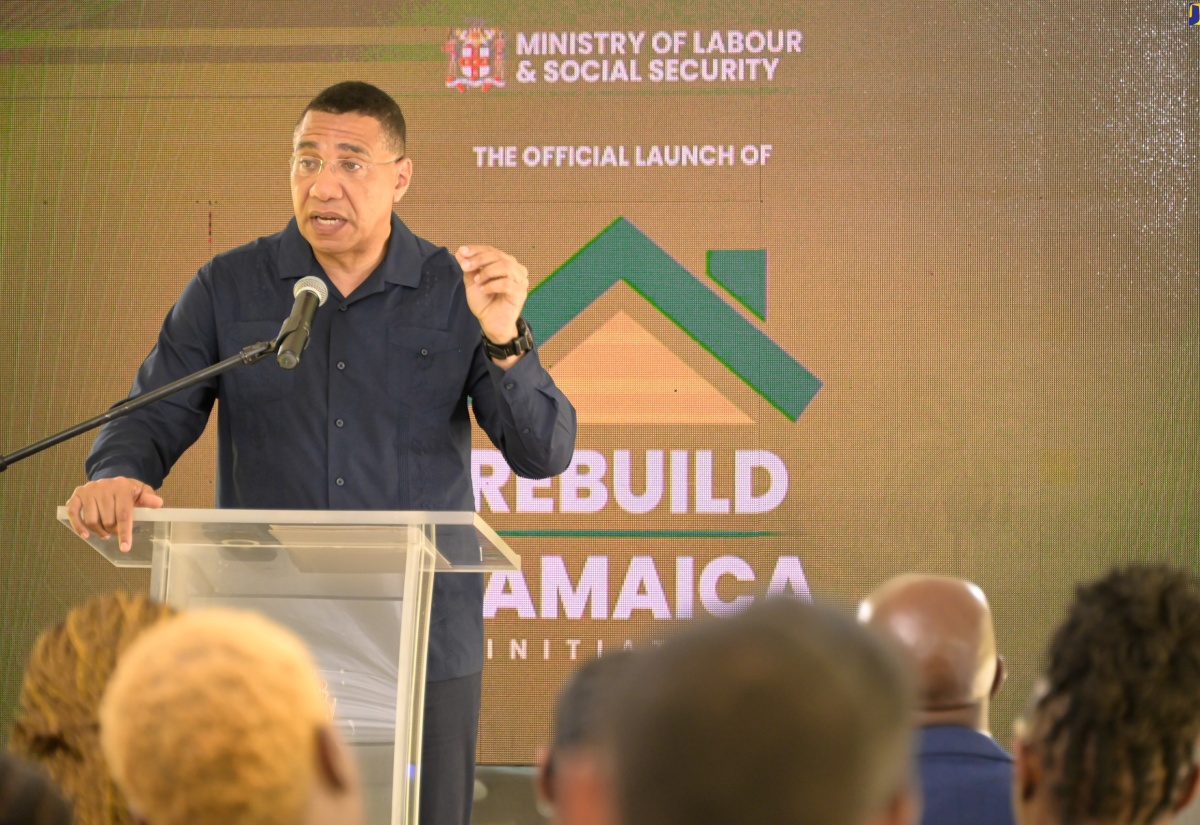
pixel 106 506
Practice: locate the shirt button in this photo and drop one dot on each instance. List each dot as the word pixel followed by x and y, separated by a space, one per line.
pixel 339 422
pixel 342 308
pixel 341 365
pixel 424 352
pixel 341 482
pixel 526 431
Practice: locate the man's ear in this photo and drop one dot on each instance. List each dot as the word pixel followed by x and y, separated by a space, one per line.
pixel 1187 790
pixel 403 177
pixel 906 809
pixel 903 809
pixel 543 782
pixel 544 796
pixel 333 760
pixel 1027 770
pixel 1001 675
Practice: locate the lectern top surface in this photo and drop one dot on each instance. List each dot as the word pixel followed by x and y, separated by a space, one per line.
pixel 462 541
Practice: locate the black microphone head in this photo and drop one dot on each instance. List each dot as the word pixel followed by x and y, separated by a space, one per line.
pixel 313 284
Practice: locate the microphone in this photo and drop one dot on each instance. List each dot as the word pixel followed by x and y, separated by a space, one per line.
pixel 310 293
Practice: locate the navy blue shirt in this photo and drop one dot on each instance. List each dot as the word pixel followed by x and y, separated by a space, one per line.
pixel 965 777
pixel 375 416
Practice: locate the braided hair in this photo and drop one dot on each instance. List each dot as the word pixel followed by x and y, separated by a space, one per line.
pixel 1120 714
pixel 57 724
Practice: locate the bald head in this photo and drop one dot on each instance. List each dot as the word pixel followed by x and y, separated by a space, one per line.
pixel 944 625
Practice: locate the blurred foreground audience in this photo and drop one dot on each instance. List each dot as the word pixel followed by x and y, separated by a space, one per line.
pixel 57 724
pixel 784 713
pixel 217 718
pixel 944 627
pixel 1110 734
pixel 574 780
pixel 28 796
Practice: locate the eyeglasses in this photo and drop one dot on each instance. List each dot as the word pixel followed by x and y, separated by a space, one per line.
pixel 309 166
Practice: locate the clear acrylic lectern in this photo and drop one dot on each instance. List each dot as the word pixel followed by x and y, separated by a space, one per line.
pixel 355 585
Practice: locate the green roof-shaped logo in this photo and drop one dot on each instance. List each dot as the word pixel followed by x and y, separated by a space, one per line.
pixel 622 252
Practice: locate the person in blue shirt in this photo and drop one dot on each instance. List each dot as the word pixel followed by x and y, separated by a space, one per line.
pixel 376 415
pixel 944 626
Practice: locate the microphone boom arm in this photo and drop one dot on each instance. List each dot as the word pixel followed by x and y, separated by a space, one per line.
pixel 248 355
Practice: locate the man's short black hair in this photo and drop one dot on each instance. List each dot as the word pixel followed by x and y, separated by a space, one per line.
pixel 786 712
pixel 356 97
pixel 583 703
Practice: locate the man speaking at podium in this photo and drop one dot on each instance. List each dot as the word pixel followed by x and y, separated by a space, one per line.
pixel 375 418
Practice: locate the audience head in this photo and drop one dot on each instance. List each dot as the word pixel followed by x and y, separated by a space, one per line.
pixel 1110 732
pixel 944 627
pixel 57 724
pixel 786 712
pixel 28 796
pixel 574 783
pixel 218 717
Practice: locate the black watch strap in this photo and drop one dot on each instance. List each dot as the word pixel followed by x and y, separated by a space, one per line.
pixel 520 345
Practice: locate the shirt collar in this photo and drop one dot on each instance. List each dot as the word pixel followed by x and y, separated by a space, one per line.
pixel 957 739
pixel 401 263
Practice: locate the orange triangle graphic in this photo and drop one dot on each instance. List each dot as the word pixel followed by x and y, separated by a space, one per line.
pixel 624 375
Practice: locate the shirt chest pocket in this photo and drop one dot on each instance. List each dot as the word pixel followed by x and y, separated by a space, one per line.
pixel 261 381
pixel 426 368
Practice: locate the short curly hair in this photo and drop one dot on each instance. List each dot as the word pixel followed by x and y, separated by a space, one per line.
pixel 1118 710
pixel 212 719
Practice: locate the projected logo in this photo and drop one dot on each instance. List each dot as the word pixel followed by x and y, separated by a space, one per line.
pixel 654 531
pixel 475 58
pixel 622 374
pixel 623 253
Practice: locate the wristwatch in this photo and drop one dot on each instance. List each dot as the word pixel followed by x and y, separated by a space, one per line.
pixel 520 345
